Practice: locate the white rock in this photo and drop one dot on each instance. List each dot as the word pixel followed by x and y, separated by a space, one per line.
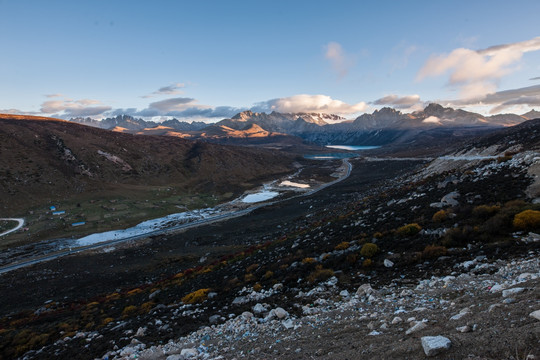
pixel 175 357
pixel 535 314
pixel 280 313
pixel 288 324
pixel 188 353
pixel 364 290
pixel 434 345
pixel 417 327
pixel 344 293
pixel 374 333
pixel 258 308
pixel 247 315
pixel 510 292
pixel 464 329
pixel 388 263
pixel 140 332
pixel 397 320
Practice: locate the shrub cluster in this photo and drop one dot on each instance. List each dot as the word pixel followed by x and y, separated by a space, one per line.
pixel 369 250
pixel 196 297
pixel 409 230
pixel 527 220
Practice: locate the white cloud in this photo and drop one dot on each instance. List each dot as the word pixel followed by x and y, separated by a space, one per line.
pixel 398 101
pixel 70 108
pixel 477 72
pixel 432 120
pixel 310 103
pixel 501 100
pixel 341 62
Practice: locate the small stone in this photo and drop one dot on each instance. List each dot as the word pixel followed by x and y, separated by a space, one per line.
pixel 374 333
pixel 288 324
pixel 154 294
pixel 535 315
pixel 214 319
pixel 189 353
pixel 280 313
pixel 344 293
pixel 464 329
pixel 364 290
pixel 140 332
pixel 417 327
pixel 514 291
pixel 258 308
pixel 175 357
pixel 247 315
pixel 434 345
pixel 397 320
pixel 388 263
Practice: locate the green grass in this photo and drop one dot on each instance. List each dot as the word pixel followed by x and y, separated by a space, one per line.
pixel 104 212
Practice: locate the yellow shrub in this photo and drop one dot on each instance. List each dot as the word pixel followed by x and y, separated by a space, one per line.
pixel 409 229
pixel 378 235
pixel 342 245
pixel 368 250
pixel 367 263
pixel 106 321
pixel 485 211
pixel 309 260
pixel 257 287
pixel 196 297
pixel 320 274
pixel 439 216
pixel 433 251
pixel 249 278
pixel 252 268
pixel 147 306
pixel 134 291
pixel 129 310
pixel 527 220
pixel 268 275
pixel 351 258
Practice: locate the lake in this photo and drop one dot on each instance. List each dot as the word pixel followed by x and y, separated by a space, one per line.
pixel 352 147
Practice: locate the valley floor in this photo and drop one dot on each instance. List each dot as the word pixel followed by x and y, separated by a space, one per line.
pixel 281 281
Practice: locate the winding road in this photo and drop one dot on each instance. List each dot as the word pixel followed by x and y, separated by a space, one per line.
pixel 209 220
pixel 20 225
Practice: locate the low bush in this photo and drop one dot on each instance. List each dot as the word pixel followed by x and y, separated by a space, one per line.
pixel 433 251
pixel 342 245
pixel 485 211
pixel 196 297
pixel 439 216
pixel 369 250
pixel 320 274
pixel 409 230
pixel 527 220
pixel 309 260
pixel 367 263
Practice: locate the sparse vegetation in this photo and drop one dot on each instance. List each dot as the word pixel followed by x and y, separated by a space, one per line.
pixel 196 297
pixel 409 230
pixel 440 216
pixel 342 245
pixel 527 220
pixel 369 250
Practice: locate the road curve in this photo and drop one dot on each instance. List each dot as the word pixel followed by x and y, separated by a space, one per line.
pixel 20 225
pixel 221 217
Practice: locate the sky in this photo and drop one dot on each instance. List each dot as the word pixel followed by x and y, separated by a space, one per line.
pixel 208 60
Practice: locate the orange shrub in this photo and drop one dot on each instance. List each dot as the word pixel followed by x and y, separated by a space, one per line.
pixel 527 220
pixel 440 216
pixel 308 260
pixel 196 297
pixel 342 245
pixel 409 229
pixel 369 250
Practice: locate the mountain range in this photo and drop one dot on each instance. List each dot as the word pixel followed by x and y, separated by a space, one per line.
pixel 383 126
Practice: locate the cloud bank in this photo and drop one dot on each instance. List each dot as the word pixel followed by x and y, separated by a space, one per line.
pixel 74 108
pixel 310 103
pixel 477 72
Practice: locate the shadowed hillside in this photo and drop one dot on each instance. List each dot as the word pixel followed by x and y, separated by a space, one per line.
pixel 46 160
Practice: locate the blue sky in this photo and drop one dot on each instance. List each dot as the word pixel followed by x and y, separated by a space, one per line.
pixel 209 59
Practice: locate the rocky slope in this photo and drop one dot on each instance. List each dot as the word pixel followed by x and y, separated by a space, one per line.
pixel 401 250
